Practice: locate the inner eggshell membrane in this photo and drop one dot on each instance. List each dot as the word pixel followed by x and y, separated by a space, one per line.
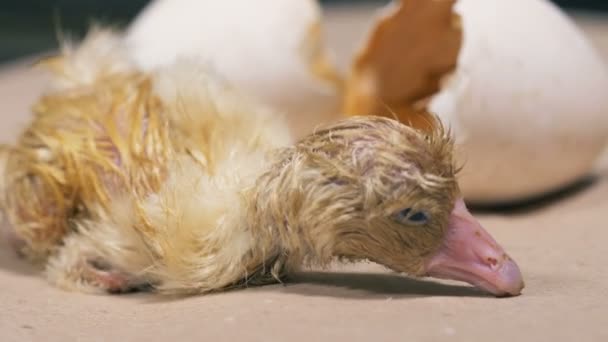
pixel 413 45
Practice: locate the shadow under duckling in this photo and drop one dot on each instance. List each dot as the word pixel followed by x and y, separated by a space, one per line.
pixel 172 180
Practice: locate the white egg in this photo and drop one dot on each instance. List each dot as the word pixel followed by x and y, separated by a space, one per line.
pixel 527 102
pixel 270 49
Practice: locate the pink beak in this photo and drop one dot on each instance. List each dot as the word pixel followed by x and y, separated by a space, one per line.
pixel 471 255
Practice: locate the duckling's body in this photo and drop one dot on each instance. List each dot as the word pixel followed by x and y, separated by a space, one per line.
pixel 118 150
pixel 171 180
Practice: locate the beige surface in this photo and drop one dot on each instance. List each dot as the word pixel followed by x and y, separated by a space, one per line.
pixel 560 246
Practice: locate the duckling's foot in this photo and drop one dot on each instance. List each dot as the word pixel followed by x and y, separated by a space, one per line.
pixel 78 266
pixel 102 275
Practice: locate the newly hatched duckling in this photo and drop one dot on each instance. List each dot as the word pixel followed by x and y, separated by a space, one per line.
pixel 174 181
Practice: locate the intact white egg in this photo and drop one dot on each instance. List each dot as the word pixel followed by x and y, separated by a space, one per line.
pixel 525 95
pixel 272 50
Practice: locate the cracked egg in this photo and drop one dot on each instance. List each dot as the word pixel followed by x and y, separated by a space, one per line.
pixel 518 83
pixel 271 49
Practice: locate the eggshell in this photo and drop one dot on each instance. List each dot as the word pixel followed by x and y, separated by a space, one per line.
pixel 410 48
pixel 526 99
pixel 271 49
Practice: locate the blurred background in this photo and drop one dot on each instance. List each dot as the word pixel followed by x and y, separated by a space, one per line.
pixel 30 26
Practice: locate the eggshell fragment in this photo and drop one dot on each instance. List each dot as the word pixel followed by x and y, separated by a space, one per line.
pixel 526 99
pixel 412 46
pixel 271 49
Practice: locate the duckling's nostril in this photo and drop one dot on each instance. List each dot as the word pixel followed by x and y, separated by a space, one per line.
pixel 492 261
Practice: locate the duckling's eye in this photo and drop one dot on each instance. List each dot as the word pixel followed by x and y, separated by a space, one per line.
pixel 418 217
pixel 406 216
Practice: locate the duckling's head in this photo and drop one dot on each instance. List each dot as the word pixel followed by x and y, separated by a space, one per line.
pixel 391 195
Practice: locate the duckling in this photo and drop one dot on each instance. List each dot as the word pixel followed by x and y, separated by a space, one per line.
pixel 173 180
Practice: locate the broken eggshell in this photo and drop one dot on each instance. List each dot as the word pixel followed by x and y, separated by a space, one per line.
pixel 271 49
pixel 518 83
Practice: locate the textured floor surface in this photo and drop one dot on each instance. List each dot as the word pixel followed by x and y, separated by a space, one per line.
pixel 560 245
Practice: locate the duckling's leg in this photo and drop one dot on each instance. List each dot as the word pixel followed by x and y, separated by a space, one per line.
pixel 85 274
pixel 99 261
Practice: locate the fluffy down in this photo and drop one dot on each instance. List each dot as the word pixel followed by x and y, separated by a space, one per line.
pixel 99 160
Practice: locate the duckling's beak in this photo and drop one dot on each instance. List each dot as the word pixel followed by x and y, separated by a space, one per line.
pixel 470 254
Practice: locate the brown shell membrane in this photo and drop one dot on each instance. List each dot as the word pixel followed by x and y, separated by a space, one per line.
pixel 82 146
pixel 407 54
